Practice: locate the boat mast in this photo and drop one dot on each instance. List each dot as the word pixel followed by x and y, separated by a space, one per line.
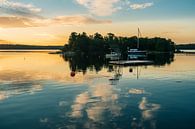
pixel 138 38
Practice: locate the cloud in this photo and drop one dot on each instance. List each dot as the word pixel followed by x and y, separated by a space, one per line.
pixel 20 15
pixel 100 7
pixel 17 22
pixel 141 6
pixel 23 22
pixel 78 19
pixel 19 9
pixel 108 7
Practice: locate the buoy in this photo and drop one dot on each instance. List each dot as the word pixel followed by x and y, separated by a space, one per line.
pixel 72 74
pixel 130 70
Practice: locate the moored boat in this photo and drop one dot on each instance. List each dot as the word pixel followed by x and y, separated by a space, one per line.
pixel 113 56
pixel 136 53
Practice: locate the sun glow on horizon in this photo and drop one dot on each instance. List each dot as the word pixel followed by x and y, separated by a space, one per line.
pixel 29 23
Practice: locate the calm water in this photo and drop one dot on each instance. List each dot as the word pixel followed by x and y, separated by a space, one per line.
pixel 37 92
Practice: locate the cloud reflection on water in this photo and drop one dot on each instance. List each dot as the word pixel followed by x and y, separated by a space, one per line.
pixel 99 99
pixel 92 107
pixel 17 83
pixel 136 91
pixel 77 107
pixel 102 98
pixel 148 111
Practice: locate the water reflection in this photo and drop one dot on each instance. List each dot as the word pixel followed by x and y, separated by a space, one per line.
pixel 98 96
pixel 80 101
pixel 161 59
pixel 147 119
pixel 17 83
pixel 80 63
pixel 27 80
pixel 101 105
pixel 93 105
pixel 118 71
pixel 148 109
pixel 136 91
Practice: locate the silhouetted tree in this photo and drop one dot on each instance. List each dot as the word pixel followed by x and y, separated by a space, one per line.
pixel 97 45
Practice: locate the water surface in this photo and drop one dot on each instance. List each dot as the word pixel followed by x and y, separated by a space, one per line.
pixel 37 91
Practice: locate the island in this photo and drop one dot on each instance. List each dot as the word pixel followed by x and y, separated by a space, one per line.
pixel 99 45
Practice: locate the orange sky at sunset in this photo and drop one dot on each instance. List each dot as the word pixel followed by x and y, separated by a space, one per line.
pixel 37 23
pixel 58 34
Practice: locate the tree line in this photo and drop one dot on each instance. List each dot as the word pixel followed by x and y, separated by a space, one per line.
pixel 185 46
pixel 30 47
pixel 98 44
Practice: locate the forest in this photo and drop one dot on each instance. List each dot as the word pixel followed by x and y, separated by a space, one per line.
pixel 100 45
pixel 27 47
pixel 185 46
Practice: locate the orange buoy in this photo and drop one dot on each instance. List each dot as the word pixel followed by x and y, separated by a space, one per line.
pixel 72 74
pixel 130 70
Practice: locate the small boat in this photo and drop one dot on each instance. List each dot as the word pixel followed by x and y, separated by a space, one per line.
pixel 136 53
pixel 136 57
pixel 113 56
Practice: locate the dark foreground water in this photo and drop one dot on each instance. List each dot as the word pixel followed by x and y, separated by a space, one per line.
pixel 37 92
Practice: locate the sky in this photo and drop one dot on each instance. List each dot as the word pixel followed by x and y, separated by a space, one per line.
pixel 50 22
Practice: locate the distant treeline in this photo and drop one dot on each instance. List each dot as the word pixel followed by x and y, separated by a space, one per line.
pixel 100 45
pixel 31 47
pixel 185 46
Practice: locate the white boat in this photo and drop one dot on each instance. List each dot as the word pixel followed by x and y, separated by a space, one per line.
pixel 136 57
pixel 113 56
pixel 136 53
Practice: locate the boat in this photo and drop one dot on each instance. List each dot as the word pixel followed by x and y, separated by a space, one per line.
pixel 136 53
pixel 113 56
pixel 136 57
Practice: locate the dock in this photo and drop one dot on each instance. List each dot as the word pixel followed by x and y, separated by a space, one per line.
pixel 131 62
